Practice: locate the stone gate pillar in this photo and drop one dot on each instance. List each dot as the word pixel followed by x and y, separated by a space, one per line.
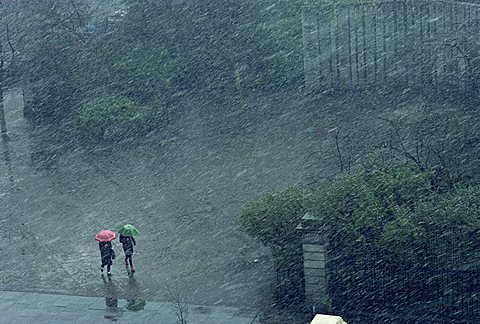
pixel 314 240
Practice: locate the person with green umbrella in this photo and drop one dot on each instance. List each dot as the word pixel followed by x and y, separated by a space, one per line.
pixel 127 232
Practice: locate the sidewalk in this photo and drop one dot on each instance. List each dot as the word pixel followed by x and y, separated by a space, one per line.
pixel 22 307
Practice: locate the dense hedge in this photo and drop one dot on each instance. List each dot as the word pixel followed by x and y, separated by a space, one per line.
pixel 358 206
pixel 111 119
pixel 272 219
pixel 397 212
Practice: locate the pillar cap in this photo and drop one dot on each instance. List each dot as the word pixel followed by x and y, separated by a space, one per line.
pixel 327 319
pixel 311 222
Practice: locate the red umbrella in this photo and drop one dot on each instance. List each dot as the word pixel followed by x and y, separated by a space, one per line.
pixel 105 236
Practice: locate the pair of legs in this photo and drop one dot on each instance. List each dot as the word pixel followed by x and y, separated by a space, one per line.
pixel 108 264
pixel 128 259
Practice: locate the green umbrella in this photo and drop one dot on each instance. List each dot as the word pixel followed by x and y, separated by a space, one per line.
pixel 128 230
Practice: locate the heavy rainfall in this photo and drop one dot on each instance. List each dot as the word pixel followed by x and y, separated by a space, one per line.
pixel 267 161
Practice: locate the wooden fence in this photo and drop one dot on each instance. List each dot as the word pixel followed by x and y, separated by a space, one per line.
pixel 410 42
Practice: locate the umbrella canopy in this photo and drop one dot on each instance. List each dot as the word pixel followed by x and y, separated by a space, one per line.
pixel 105 236
pixel 128 230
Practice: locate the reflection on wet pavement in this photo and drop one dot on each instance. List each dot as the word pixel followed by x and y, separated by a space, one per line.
pixel 134 303
pixel 132 293
pixel 111 299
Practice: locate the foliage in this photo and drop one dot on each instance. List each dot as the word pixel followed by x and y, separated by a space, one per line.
pixel 439 229
pixel 357 206
pixel 108 118
pixel 273 219
pixel 140 72
pixel 156 47
pixel 53 53
pixel 210 38
pixel 396 211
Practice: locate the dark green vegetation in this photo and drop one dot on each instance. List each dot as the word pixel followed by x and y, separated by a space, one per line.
pixel 411 201
pixel 273 220
pixel 150 51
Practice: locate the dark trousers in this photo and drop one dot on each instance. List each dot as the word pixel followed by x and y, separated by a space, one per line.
pixel 128 257
pixel 107 263
pixel 128 260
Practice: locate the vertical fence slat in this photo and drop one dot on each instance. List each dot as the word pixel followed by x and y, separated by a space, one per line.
pixel 321 74
pixel 428 19
pixel 310 59
pixel 375 50
pixel 406 39
pixel 420 19
pixel 364 36
pixel 448 29
pixel 357 68
pixel 466 30
pixel 350 65
pixel 337 41
pixel 331 50
pixel 384 43
pixel 395 27
pixel 476 18
pixel 444 15
pixel 435 36
pixel 452 25
pixel 412 57
pixel 430 59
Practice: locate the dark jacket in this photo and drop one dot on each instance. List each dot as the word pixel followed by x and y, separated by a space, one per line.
pixel 127 242
pixel 106 252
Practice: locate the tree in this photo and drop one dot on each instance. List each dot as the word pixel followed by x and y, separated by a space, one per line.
pixel 55 47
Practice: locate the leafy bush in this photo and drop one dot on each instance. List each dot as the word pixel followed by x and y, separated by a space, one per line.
pixel 396 214
pixel 363 202
pixel 273 220
pixel 389 209
pixel 399 213
pixel 438 230
pixel 143 73
pixel 108 118
pixel 158 47
pixel 210 38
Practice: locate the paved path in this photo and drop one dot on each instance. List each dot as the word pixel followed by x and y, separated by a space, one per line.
pixel 23 307
pixel 183 191
pixel 177 193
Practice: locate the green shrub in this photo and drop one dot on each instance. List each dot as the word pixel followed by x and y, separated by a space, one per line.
pixel 391 210
pixel 447 223
pixel 358 205
pixel 399 213
pixel 108 118
pixel 273 219
pixel 396 215
pixel 141 72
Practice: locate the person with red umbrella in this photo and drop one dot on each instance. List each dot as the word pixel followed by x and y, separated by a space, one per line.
pixel 107 253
